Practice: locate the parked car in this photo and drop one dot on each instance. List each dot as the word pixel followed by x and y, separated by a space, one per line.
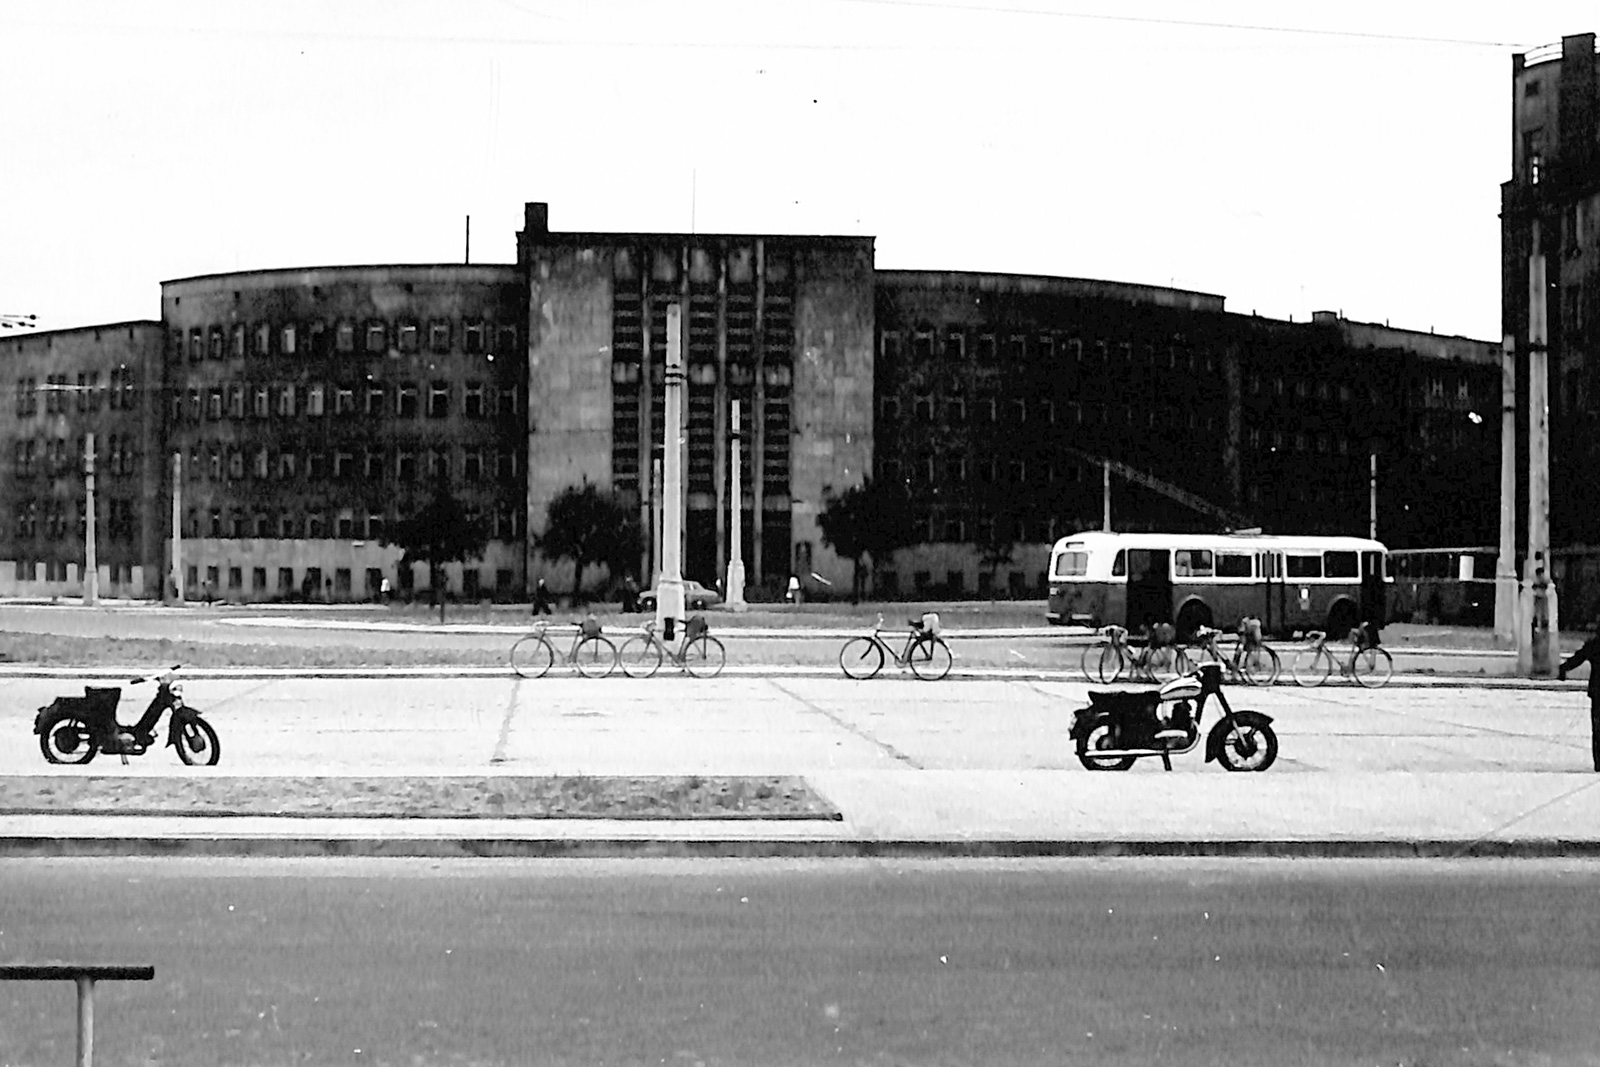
pixel 696 597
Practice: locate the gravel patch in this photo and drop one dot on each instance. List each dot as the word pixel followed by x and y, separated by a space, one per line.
pixel 448 797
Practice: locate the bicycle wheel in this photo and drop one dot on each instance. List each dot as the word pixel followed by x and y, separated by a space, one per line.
pixel 640 657
pixel 1260 665
pixel 1102 662
pixel 1372 667
pixel 1166 663
pixel 1312 666
pixel 930 659
pixel 704 656
pixel 595 656
pixel 861 658
pixel 532 656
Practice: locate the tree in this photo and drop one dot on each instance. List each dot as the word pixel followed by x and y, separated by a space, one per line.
pixel 587 526
pixel 871 519
pixel 442 532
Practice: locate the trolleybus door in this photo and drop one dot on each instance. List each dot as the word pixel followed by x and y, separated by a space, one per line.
pixel 1374 595
pixel 1149 587
pixel 1269 570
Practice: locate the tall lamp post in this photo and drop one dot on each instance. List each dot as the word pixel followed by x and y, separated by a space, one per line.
pixel 669 589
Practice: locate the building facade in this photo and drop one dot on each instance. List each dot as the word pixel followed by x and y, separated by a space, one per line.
pixel 293 416
pixel 1555 189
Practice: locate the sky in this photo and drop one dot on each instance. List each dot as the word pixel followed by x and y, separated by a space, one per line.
pixel 1288 157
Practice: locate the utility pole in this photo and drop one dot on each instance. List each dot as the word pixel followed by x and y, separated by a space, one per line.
pixel 735 579
pixel 91 566
pixel 1505 565
pixel 1372 494
pixel 1536 647
pixel 175 586
pixel 669 591
pixel 1105 495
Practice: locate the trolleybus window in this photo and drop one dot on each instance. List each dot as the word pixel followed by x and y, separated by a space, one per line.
pixel 1340 565
pixel 1119 566
pixel 1304 566
pixel 1191 563
pixel 1234 565
pixel 1071 564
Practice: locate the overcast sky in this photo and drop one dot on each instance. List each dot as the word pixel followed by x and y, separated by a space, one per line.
pixel 1289 157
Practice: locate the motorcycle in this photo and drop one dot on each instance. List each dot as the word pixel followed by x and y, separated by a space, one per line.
pixel 1120 727
pixel 76 729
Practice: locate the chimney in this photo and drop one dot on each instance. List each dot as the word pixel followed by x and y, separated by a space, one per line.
pixel 536 219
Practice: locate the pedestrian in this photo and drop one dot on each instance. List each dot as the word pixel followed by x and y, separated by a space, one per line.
pixel 630 595
pixel 795 595
pixel 383 590
pixel 541 599
pixel 1589 653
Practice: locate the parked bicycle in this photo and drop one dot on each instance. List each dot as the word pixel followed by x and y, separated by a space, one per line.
pixel 1251 661
pixel 592 653
pixel 925 654
pixel 1369 664
pixel 699 654
pixel 1114 656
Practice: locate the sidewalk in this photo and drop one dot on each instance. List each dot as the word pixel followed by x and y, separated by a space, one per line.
pixel 977 768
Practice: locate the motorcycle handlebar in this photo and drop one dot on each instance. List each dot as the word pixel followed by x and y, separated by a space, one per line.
pixel 169 672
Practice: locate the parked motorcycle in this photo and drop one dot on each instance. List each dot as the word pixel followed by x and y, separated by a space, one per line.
pixel 1120 727
pixel 76 729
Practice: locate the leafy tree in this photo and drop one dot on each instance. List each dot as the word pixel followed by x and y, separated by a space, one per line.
pixel 872 519
pixel 442 532
pixel 588 526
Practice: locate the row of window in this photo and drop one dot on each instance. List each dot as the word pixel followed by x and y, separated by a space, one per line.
pixel 312 584
pixel 54 519
pixel 30 456
pixel 289 399
pixel 345 524
pixel 774 375
pixel 372 337
pixel 62 395
pixel 952 345
pixel 218 462
pixel 56 570
pixel 957 410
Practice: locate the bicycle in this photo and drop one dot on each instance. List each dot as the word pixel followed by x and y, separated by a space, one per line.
pixel 698 654
pixel 1107 659
pixel 592 654
pixel 925 653
pixel 1368 664
pixel 1251 662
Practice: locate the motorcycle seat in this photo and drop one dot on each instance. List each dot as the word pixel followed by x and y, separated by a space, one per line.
pixel 1123 700
pixel 102 696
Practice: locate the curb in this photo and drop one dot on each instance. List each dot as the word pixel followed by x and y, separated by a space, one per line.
pixel 729 848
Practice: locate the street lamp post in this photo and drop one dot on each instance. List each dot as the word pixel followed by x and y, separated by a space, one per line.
pixel 91 567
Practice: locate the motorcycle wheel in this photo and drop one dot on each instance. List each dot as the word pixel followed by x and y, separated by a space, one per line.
pixel 1249 748
pixel 197 743
pixel 1100 736
pixel 68 740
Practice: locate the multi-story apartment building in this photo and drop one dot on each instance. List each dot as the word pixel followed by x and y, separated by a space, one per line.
pixel 310 409
pixel 71 388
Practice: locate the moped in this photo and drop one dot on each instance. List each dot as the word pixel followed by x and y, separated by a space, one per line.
pixel 76 729
pixel 1120 727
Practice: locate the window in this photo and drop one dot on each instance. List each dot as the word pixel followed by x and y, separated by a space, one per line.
pixel 377 337
pixel 263 462
pixel 1340 565
pixel 315 466
pixel 472 405
pixel 409 337
pixel 263 338
pixel 262 405
pixel 375 527
pixel 236 401
pixel 955 346
pixel 986 348
pixel 286 340
pixel 235 463
pixel 344 465
pixel 258 578
pixel 439 464
pixel 1303 566
pixel 472 464
pixel 217 348
pixel 507 340
pixel 405 466
pixel 1070 564
pixel 1192 563
pixel 375 398
pixel 214 405
pixel 439 336
pixel 286 401
pixel 374 467
pixel 438 399
pixel 344 400
pixel 263 527
pixel 1234 565
pixel 1119 565
pixel 406 400
pixel 472 338
pixel 314 400
pixel 506 400
pixel 286 465
pixel 238 340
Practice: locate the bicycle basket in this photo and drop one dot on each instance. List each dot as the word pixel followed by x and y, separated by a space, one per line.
pixel 930 622
pixel 1162 634
pixel 590 627
pixel 696 626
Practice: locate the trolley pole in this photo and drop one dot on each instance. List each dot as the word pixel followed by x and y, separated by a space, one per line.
pixel 91 566
pixel 669 591
pixel 735 579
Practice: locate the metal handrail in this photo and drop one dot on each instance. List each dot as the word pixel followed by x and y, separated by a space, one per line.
pixel 84 975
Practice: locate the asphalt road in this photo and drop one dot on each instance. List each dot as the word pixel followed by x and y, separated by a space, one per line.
pixel 574 962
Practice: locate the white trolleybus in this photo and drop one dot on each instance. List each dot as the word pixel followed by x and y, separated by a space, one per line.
pixel 1290 583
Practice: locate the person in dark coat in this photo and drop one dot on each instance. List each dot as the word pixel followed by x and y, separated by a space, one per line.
pixel 630 595
pixel 541 599
pixel 1589 653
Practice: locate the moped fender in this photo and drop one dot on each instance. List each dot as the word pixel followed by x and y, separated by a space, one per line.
pixel 1221 729
pixel 178 715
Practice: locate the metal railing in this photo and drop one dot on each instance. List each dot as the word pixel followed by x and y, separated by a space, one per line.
pixel 84 975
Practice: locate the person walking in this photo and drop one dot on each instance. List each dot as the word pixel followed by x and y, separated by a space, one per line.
pixel 541 599
pixel 1589 652
pixel 630 595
